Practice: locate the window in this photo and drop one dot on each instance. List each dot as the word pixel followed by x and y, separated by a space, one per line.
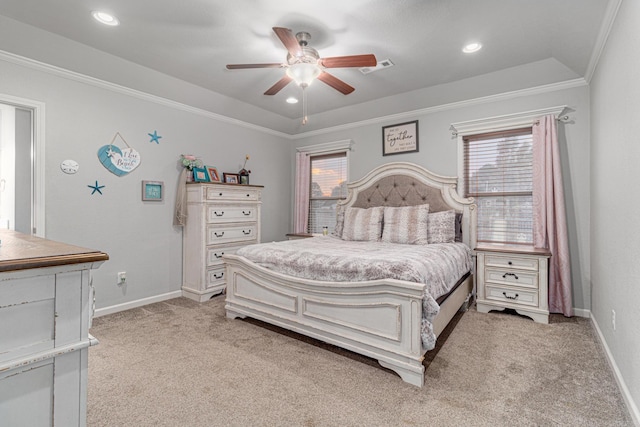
pixel 328 186
pixel 498 172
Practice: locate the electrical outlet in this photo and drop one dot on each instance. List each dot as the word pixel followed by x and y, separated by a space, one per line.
pixel 122 277
pixel 613 319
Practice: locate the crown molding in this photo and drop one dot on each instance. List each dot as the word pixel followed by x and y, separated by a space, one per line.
pixel 568 84
pixel 114 87
pixel 605 29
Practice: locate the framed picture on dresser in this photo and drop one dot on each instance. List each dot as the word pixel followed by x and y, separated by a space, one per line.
pixel 213 174
pixel 200 175
pixel 231 178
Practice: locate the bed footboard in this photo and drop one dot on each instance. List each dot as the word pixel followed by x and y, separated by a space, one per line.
pixel 380 319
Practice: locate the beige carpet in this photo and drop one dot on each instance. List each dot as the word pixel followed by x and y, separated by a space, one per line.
pixel 180 363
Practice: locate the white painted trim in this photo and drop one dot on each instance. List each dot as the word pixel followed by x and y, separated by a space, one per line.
pixel 569 84
pixel 624 390
pixel 582 312
pixel 137 303
pixel 505 122
pixel 607 24
pixel 72 75
pixel 327 147
pixel 38 146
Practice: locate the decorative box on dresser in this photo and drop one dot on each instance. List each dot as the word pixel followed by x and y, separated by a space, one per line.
pixel 46 304
pixel 513 277
pixel 221 218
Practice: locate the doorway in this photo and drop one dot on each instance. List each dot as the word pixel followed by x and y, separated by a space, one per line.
pixel 21 165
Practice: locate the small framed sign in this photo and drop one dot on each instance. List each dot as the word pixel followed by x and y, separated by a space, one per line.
pixel 152 191
pixel 400 138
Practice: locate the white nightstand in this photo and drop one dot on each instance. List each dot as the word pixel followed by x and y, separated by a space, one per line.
pixel 515 278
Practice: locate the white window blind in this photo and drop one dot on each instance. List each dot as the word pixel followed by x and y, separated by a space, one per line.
pixel 328 185
pixel 498 172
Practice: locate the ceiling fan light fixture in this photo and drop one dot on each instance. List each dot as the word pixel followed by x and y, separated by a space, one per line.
pixel 303 73
pixel 105 18
pixel 472 47
pixel 292 100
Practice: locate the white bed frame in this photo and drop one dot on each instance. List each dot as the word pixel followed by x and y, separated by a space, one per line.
pixel 380 319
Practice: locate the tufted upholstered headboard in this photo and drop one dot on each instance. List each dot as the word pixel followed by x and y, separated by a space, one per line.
pixel 407 184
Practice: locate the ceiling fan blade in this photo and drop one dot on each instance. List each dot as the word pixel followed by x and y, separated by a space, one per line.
pixel 368 60
pixel 335 83
pixel 279 85
pixel 243 66
pixel 289 41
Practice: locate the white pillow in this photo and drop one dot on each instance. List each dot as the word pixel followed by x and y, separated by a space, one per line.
pixel 363 224
pixel 442 227
pixel 406 224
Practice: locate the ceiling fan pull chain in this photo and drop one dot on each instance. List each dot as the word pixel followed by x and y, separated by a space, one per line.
pixel 305 119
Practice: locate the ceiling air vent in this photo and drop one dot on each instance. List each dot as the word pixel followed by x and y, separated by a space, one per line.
pixel 385 63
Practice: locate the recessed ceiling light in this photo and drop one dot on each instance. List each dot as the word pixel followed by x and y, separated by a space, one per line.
pixel 292 100
pixel 472 47
pixel 105 18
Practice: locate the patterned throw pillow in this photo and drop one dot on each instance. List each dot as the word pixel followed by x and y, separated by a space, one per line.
pixel 406 224
pixel 442 227
pixel 362 224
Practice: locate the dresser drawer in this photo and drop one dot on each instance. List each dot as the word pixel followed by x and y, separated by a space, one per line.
pixel 232 193
pixel 231 233
pixel 215 253
pixel 514 261
pixel 215 276
pixel 511 277
pixel 511 295
pixel 228 213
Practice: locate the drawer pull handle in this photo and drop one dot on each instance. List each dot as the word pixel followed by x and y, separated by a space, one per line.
pixel 508 297
pixel 218 276
pixel 218 214
pixel 246 233
pixel 510 263
pixel 219 194
pixel 219 256
pixel 218 235
pixel 248 195
pixel 246 213
pixel 515 276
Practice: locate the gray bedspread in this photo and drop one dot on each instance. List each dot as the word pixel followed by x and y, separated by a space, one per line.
pixel 327 258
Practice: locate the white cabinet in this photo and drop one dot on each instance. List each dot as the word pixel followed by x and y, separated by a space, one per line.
pixel 221 218
pixel 46 304
pixel 515 278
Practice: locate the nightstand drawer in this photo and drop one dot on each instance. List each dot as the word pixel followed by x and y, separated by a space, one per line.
pixel 224 213
pixel 511 262
pixel 511 295
pixel 511 277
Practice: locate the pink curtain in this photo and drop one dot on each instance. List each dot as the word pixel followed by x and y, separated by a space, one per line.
pixel 549 218
pixel 303 174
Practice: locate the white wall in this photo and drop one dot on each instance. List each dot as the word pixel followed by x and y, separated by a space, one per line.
pixel 438 153
pixel 139 237
pixel 615 231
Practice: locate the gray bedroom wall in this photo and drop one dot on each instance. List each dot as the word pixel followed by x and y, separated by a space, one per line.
pixel 438 153
pixel 138 236
pixel 615 240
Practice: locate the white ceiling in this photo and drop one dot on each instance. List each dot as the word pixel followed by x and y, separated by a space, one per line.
pixel 193 40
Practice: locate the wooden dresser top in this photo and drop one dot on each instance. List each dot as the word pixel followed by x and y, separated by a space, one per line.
pixel 21 251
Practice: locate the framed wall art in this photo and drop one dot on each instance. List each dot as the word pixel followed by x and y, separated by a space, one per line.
pixel 400 138
pixel 200 175
pixel 152 191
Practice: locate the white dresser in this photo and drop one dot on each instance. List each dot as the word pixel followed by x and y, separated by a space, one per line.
pixel 45 308
pixel 515 278
pixel 221 218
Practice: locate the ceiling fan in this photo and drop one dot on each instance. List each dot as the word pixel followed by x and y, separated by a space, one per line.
pixel 303 65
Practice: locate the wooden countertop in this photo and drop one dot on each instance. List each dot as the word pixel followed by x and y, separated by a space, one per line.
pixel 21 251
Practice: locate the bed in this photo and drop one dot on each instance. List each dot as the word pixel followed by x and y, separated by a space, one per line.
pixel 383 318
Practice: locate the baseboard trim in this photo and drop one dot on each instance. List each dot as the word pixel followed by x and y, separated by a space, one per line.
pixel 626 395
pixel 582 312
pixel 137 303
